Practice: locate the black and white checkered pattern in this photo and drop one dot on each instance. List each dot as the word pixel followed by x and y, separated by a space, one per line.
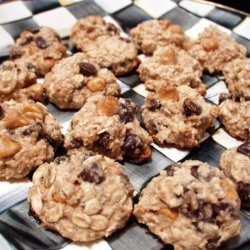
pixel 20 231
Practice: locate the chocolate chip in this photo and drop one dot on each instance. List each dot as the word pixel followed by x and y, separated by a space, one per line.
pixel 76 143
pixel 93 174
pixel 191 108
pixel 103 140
pixel 194 171
pixel 154 105
pixel 15 53
pixel 225 96
pixel 212 243
pixel 244 148
pixel 171 169
pixel 131 143
pixel 127 111
pixel 1 113
pixel 243 190
pixel 87 69
pixel 60 159
pixel 41 43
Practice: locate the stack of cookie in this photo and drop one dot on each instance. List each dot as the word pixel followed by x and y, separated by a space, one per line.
pixel 84 194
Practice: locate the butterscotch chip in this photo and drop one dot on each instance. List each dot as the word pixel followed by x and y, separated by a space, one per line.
pixel 191 206
pixel 109 126
pixel 29 137
pixel 90 199
pixel 81 79
pixel 152 34
pixel 171 67
pixel 39 49
pixel 178 116
pixel 214 49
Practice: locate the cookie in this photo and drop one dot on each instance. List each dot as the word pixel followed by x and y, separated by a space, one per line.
pixel 235 163
pixel 214 49
pixel 18 82
pixel 115 53
pixel 237 75
pixel 29 136
pixel 171 67
pixel 178 116
pixel 151 34
pixel 109 125
pixel 75 78
pixel 234 113
pixel 191 206
pixel 88 29
pixel 90 199
pixel 39 49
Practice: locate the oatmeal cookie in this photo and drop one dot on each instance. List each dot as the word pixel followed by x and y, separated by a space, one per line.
pixel 214 49
pixel 109 125
pixel 88 29
pixel 178 116
pixel 191 206
pixel 39 49
pixel 237 75
pixel 151 34
pixel 75 78
pixel 90 199
pixel 235 163
pixel 234 113
pixel 118 54
pixel 18 82
pixel 171 67
pixel 29 135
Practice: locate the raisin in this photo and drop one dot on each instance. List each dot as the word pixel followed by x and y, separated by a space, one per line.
pixel 171 169
pixel 243 190
pixel 87 69
pixel 104 140
pixel 41 43
pixel 127 111
pixel 76 143
pixel 1 113
pixel 194 171
pixel 131 143
pixel 93 174
pixel 154 105
pixel 244 148
pixel 190 108
pixel 15 53
pixel 225 96
pixel 212 243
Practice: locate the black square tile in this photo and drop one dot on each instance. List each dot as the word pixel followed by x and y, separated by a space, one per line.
pixel 37 6
pixel 209 80
pixel 225 18
pixel 131 79
pixel 16 28
pixel 242 41
pixel 85 8
pixel 130 17
pixel 181 17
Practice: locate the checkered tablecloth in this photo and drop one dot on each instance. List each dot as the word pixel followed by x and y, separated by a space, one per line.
pixel 18 230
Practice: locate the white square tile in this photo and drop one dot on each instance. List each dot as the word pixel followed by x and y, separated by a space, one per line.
pixel 60 19
pixel 141 90
pixel 112 6
pixel 214 92
pixel 6 39
pixel 96 245
pixel 224 139
pixel 13 11
pixel 243 29
pixel 110 19
pixel 156 8
pixel 68 2
pixel 200 9
pixel 194 31
pixel 124 87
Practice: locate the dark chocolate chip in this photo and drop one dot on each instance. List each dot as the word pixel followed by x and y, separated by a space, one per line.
pixel 1 113
pixel 127 111
pixel 212 243
pixel 15 53
pixel 87 69
pixel 154 105
pixel 194 171
pixel 171 169
pixel 131 143
pixel 243 190
pixel 191 108
pixel 225 96
pixel 244 148
pixel 41 43
pixel 93 174
pixel 60 159
pixel 103 140
pixel 76 143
